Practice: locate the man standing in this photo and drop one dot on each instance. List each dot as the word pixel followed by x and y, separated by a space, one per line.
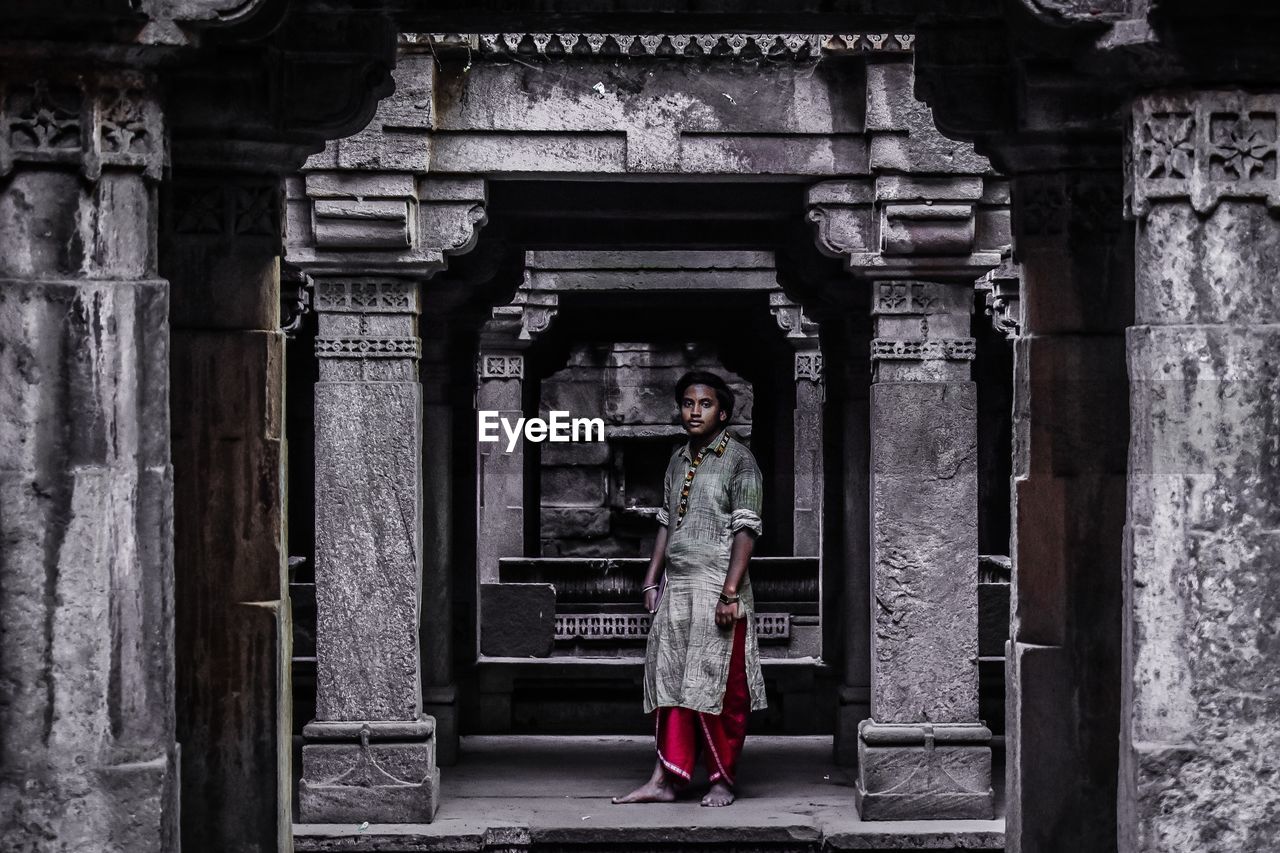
pixel 702 665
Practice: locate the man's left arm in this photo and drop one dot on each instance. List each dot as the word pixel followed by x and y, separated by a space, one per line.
pixel 745 500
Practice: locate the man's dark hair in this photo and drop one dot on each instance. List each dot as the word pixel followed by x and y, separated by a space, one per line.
pixel 703 377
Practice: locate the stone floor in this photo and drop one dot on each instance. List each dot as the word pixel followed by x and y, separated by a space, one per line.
pixel 552 793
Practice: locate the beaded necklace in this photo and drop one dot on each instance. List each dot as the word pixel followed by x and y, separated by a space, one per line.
pixel 693 469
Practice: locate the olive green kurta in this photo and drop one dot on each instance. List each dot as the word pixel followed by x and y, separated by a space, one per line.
pixel 687 656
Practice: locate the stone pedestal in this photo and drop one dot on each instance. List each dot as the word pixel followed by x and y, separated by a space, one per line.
pixel 1202 666
pixel 370 753
pixel 88 758
pixel 923 753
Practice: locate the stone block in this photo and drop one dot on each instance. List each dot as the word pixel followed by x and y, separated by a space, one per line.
pixel 517 619
pixel 587 523
pixel 575 453
pixel 924 771
pixel 574 486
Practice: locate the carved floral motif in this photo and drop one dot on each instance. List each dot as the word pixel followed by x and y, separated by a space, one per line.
pixel 501 366
pixel 1203 146
pixel 809 366
pixel 368 347
pixel 113 121
pixel 389 296
pixel 938 349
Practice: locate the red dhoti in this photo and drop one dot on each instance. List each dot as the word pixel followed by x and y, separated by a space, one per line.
pixel 680 731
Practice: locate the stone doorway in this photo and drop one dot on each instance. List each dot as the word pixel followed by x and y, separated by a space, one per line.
pixel 469 270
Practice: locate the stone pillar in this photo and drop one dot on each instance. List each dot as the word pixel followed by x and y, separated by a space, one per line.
pixel 221 251
pixel 87 748
pixel 439 689
pixel 370 752
pixel 1200 720
pixel 923 753
pixel 1071 437
pixel 802 334
pixel 807 450
pixel 500 494
pixel 848 380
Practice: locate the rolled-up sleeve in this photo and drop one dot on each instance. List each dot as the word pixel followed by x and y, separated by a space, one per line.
pixel 745 496
pixel 663 516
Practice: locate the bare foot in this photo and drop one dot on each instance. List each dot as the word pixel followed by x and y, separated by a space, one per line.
pixel 649 792
pixel 719 795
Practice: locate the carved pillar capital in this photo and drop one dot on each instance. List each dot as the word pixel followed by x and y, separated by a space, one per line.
pixel 110 120
pixel 922 331
pixel 896 225
pixel 387 222
pixel 367 328
pixel 1202 146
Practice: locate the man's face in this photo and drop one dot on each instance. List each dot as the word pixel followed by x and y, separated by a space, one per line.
pixel 700 411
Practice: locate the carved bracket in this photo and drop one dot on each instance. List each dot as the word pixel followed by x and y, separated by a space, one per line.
pixel 382 222
pixel 1204 147
pixel 1001 289
pixel 792 318
pixel 111 121
pixel 906 225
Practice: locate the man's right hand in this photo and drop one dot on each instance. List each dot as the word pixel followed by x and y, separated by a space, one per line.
pixel 651 601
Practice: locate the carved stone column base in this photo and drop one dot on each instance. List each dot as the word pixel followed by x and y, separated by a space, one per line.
pixel 381 772
pixel 924 771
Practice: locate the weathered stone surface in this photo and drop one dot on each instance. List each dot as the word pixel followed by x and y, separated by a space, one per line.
pixel 500 515
pixel 368 546
pixel 925 552
pixel 88 758
pixel 228 437
pixel 1204 507
pixel 517 619
pixel 574 487
pixel 1071 440
pixel 87 717
pixel 559 522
